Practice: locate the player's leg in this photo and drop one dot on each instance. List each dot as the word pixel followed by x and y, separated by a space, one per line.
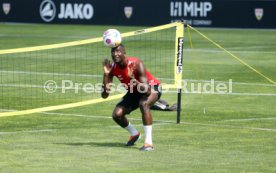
pixel 119 116
pixel 145 103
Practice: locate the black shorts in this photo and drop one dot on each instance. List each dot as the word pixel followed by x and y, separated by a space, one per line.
pixel 130 101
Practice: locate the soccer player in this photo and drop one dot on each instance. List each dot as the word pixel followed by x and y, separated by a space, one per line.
pixel 143 90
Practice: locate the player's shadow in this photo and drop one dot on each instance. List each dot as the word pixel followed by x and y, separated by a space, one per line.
pixel 98 144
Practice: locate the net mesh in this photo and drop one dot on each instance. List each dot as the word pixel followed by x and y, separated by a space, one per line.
pixel 71 74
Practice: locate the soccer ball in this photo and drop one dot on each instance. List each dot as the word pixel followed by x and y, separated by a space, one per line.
pixel 112 38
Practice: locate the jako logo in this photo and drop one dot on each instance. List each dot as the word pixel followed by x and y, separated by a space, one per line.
pixel 67 11
pixel 76 11
pixel 47 10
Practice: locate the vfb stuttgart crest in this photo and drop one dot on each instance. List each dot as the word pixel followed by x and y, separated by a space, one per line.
pixel 128 11
pixel 6 8
pixel 259 12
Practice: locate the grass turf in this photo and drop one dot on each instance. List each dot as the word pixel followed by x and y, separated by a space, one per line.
pixel 218 133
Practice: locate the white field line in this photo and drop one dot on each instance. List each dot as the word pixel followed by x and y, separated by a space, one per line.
pixel 158 121
pixel 249 119
pixel 173 91
pixel 49 74
pixel 28 131
pixel 249 48
pixel 76 115
pixel 231 126
pixel 141 125
pixel 225 93
pixel 100 76
pixel 226 82
pixel 39 86
pixel 23 86
pixel 231 94
pixel 103 117
pixel 7 110
pixel 221 51
pixel 169 122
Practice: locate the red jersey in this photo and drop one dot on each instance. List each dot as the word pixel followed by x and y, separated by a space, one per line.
pixel 122 74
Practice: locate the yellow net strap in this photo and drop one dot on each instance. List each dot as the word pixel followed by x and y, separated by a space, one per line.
pixel 234 56
pixel 66 106
pixel 87 41
pixel 58 107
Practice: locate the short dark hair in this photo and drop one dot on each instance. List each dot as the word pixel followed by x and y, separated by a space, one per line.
pixel 113 48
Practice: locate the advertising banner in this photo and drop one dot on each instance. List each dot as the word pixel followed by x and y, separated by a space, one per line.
pixel 203 13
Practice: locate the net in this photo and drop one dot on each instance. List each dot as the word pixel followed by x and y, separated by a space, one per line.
pixel 226 77
pixel 66 75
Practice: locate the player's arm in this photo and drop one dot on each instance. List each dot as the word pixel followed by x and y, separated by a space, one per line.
pixel 142 77
pixel 107 78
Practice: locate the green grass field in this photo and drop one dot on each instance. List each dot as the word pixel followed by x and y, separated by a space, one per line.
pixel 218 132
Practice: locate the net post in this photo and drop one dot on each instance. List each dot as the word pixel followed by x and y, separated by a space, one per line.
pixel 179 91
pixel 179 41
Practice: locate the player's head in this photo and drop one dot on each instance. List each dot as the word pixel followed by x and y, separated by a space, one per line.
pixel 118 53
